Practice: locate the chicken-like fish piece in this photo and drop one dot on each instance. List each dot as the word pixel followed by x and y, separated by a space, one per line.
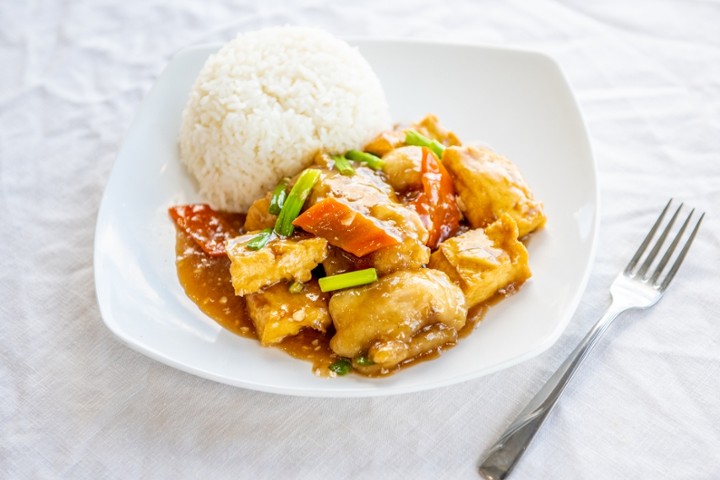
pixel 387 320
pixel 403 168
pixel 277 313
pixel 482 262
pixel 281 259
pixel 367 193
pixel 490 185
pixel 410 254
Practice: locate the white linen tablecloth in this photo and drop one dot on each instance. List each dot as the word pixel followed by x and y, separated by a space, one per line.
pixel 76 403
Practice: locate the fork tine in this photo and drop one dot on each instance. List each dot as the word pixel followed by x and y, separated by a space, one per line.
pixel 681 256
pixel 658 244
pixel 671 249
pixel 646 242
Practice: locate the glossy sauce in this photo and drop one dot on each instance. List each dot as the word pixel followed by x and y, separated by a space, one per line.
pixel 206 280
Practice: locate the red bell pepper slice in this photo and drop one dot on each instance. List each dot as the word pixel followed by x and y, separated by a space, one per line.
pixel 436 203
pixel 207 227
pixel 344 227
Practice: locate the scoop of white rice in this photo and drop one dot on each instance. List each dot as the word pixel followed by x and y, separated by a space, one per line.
pixel 264 104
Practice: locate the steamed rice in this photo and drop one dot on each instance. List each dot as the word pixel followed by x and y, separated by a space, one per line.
pixel 264 104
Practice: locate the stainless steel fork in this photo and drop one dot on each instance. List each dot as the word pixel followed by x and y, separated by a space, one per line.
pixel 636 287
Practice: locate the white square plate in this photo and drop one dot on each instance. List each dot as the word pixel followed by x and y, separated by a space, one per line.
pixel 516 101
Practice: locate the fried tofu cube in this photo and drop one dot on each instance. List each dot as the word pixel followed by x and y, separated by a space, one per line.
pixel 281 259
pixel 430 127
pixel 277 313
pixel 258 215
pixel 385 142
pixel 483 261
pixel 489 185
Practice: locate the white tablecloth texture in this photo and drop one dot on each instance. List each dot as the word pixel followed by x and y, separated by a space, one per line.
pixel 76 403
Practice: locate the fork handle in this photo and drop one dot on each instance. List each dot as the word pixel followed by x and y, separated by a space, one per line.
pixel 502 457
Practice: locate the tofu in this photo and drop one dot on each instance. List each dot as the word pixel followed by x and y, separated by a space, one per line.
pixel 489 185
pixel 483 261
pixel 277 313
pixel 385 142
pixel 281 259
pixel 258 215
pixel 431 128
pixel 428 126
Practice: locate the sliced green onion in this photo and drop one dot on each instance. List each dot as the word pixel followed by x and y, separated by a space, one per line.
pixel 341 367
pixel 343 166
pixel 414 138
pixel 296 287
pixel 260 240
pixel 347 280
pixel 363 361
pixel 373 161
pixel 278 197
pixel 295 201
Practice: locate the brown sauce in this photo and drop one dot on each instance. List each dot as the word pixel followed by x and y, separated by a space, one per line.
pixel 206 280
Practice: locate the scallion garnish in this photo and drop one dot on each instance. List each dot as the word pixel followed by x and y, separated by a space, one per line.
pixel 278 197
pixel 363 361
pixel 347 280
pixel 296 287
pixel 260 240
pixel 341 367
pixel 343 166
pixel 295 201
pixel 414 138
pixel 373 161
